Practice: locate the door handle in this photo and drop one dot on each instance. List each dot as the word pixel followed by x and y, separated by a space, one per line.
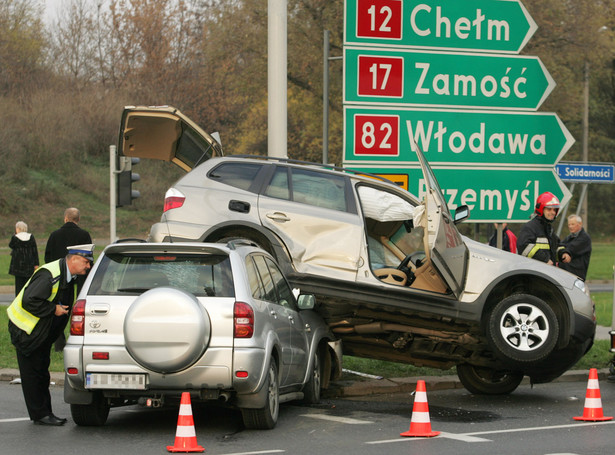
pixel 278 216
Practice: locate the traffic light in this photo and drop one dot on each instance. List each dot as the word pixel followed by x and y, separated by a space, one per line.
pixel 125 179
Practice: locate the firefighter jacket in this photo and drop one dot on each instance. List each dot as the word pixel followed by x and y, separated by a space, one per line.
pixel 537 240
pixel 32 312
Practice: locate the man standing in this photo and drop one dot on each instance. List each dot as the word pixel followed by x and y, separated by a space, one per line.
pixel 537 239
pixel 579 244
pixel 69 234
pixel 33 326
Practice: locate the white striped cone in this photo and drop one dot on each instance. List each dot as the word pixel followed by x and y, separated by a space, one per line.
pixel 420 426
pixel 185 436
pixel 592 410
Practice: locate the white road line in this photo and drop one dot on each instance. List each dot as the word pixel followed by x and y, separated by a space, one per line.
pixel 20 419
pixel 338 419
pixel 259 452
pixel 470 437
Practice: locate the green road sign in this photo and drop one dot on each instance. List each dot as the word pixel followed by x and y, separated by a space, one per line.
pixel 493 194
pixel 456 137
pixel 444 79
pixel 470 25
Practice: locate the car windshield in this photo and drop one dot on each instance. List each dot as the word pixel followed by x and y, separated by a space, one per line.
pixel 201 275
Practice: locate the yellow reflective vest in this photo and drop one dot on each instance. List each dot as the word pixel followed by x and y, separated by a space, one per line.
pixel 18 315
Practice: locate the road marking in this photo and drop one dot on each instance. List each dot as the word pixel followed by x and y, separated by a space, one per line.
pixel 20 419
pixel 470 437
pixel 338 419
pixel 256 453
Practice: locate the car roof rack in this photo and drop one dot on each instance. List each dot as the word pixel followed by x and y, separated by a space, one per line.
pixel 329 167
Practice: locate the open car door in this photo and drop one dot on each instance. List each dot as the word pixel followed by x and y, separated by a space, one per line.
pixel 164 133
pixel 448 252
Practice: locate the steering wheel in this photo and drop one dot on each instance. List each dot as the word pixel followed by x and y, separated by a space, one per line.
pixel 391 276
pixel 416 258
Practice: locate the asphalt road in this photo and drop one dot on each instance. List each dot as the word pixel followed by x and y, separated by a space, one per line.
pixel 533 420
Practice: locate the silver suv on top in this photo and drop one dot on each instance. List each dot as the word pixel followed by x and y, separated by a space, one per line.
pixel 394 278
pixel 221 322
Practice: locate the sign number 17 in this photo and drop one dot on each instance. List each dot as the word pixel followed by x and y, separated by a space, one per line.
pixel 380 76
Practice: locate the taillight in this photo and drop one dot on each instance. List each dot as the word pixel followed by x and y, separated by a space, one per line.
pixel 77 318
pixel 173 199
pixel 243 318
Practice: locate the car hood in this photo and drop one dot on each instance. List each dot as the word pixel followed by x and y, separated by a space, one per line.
pixel 487 264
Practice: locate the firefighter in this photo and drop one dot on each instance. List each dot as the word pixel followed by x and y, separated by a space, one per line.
pixel 537 239
pixel 35 318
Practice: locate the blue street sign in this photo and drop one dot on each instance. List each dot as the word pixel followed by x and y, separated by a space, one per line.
pixel 586 172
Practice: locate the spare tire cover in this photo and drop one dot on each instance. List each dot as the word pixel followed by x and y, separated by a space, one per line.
pixel 166 330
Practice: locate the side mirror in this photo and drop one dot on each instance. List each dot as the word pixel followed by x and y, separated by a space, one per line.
pixel 306 301
pixel 461 213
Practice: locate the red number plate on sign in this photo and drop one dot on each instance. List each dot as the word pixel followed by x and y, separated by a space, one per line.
pixel 381 76
pixel 376 135
pixel 379 19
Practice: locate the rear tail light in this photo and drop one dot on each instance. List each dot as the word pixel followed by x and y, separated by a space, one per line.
pixel 173 199
pixel 77 318
pixel 243 318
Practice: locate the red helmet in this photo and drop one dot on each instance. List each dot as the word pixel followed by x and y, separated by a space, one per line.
pixel 546 200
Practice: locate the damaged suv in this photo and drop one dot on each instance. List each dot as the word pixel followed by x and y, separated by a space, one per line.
pixel 394 278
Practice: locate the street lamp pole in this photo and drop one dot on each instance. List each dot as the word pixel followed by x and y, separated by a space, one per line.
pixel 582 207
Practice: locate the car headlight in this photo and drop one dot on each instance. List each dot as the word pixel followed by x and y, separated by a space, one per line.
pixel 581 285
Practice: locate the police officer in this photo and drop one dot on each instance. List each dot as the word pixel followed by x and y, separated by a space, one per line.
pixel 537 240
pixel 35 319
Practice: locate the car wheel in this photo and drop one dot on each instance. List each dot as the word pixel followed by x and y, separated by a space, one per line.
pixel 523 328
pixel 486 381
pixel 266 417
pixel 311 391
pixel 91 415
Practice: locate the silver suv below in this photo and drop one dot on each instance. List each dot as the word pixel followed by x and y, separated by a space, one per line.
pixel 154 320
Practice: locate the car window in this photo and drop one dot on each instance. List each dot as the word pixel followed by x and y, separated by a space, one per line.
pixel 239 175
pixel 285 294
pixel 256 285
pixel 202 275
pixel 269 293
pixel 308 187
pixel 389 225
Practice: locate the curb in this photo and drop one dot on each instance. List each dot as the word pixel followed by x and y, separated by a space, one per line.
pixel 353 389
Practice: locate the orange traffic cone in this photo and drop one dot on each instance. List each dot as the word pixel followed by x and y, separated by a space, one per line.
pixel 593 402
pixel 419 423
pixel 185 437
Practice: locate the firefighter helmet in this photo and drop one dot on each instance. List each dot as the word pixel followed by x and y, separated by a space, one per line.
pixel 546 200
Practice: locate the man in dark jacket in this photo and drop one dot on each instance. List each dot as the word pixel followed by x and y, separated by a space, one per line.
pixel 579 244
pixel 537 239
pixel 33 326
pixel 69 234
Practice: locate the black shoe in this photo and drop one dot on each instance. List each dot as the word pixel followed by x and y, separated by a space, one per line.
pixel 50 420
pixel 59 418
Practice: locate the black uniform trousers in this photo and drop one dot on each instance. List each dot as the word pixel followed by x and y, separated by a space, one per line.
pixel 34 372
pixel 35 378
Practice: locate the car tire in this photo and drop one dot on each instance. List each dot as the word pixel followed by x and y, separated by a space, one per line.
pixel 486 381
pixel 522 328
pixel 266 417
pixel 91 415
pixel 311 391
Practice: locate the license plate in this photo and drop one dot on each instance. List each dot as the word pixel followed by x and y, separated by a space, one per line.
pixel 115 381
